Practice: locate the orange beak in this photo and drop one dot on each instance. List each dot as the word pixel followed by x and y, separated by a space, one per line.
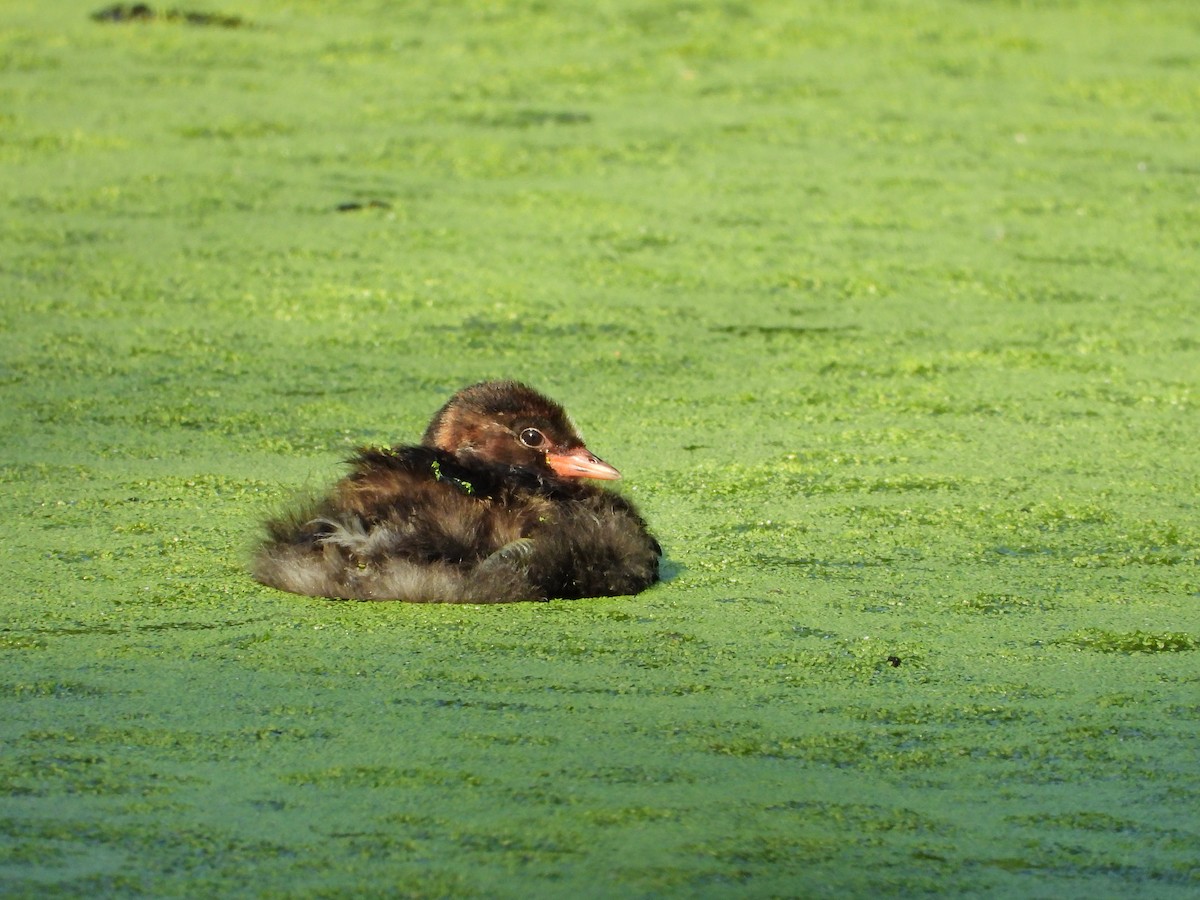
pixel 579 463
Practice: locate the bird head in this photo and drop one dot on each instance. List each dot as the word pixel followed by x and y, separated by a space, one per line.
pixel 508 423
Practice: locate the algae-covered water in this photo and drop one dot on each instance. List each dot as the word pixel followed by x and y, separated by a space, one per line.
pixel 887 311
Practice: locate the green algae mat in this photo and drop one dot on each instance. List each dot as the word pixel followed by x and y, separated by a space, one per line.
pixel 887 311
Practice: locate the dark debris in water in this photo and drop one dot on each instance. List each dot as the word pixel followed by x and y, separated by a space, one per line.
pixel 770 331
pixel 142 12
pixel 356 205
pixel 534 118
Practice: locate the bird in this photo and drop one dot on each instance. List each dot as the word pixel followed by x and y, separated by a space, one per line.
pixel 493 506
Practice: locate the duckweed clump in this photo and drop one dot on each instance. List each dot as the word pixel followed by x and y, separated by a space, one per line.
pixel 1131 641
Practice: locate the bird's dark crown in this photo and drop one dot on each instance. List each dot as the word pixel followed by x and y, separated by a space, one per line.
pixel 504 423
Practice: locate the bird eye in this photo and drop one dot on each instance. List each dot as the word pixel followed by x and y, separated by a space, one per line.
pixel 533 438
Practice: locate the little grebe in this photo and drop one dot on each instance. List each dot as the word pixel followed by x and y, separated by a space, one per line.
pixel 490 508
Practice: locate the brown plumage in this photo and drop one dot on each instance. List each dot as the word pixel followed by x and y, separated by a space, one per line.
pixel 490 508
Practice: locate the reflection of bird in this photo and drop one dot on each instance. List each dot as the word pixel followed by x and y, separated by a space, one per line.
pixel 490 508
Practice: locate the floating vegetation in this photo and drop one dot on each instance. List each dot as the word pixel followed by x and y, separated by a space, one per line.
pixel 767 850
pixel 234 130
pixel 991 603
pixel 49 688
pixel 20 642
pixel 1131 641
pixel 896 751
pixel 376 777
